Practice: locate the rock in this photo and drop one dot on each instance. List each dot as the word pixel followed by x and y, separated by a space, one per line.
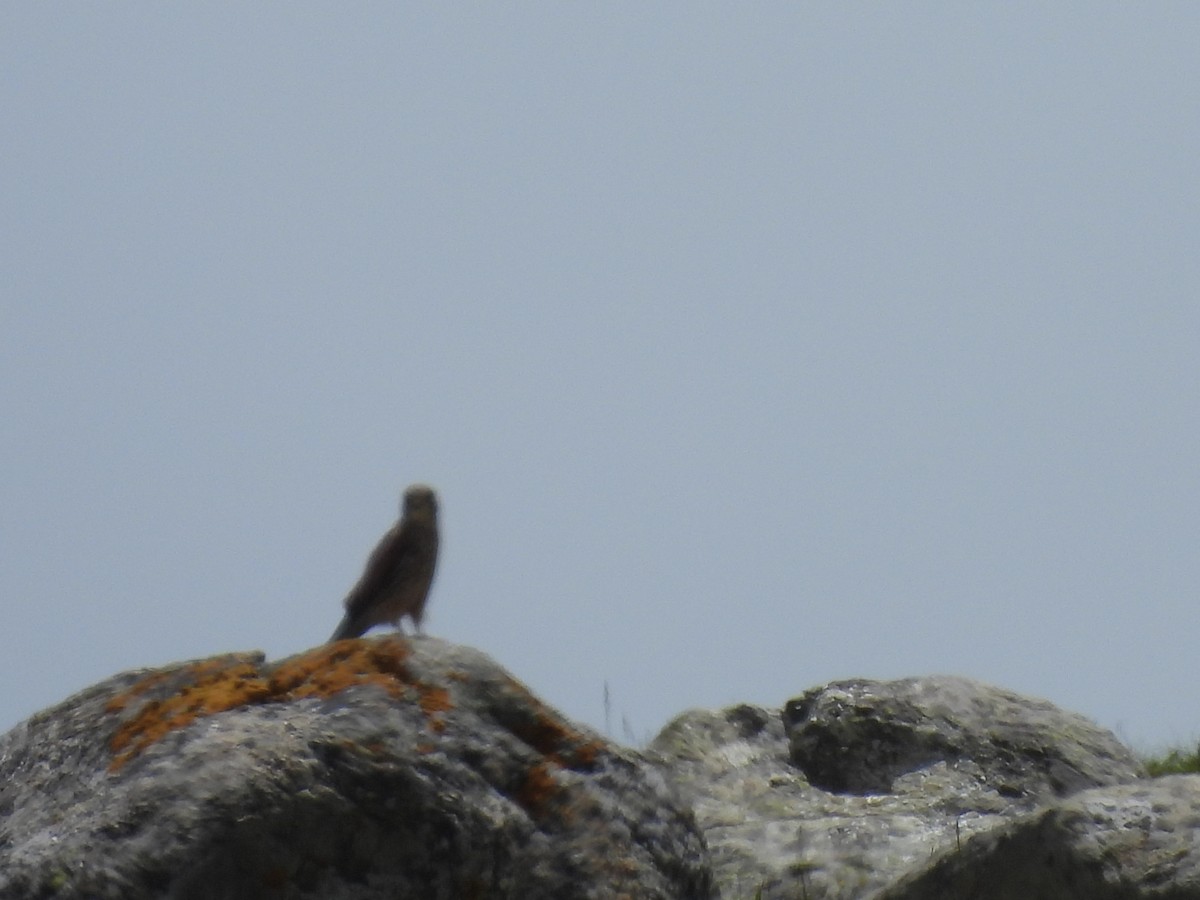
pixel 858 783
pixel 1115 843
pixel 413 768
pixel 860 736
pixel 362 769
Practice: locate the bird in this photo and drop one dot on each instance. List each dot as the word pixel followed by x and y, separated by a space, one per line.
pixel 399 572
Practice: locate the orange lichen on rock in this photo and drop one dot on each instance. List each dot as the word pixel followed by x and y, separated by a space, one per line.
pixel 550 736
pixel 327 670
pixel 539 791
pixel 205 688
pixel 140 687
pixel 562 744
pixel 435 702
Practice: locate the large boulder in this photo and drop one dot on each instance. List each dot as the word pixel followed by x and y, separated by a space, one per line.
pixel 1116 843
pixel 853 785
pixel 413 768
pixel 860 737
pixel 379 768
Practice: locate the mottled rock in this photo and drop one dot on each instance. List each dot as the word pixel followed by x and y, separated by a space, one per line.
pixel 412 768
pixel 860 736
pixel 1117 843
pixel 380 768
pixel 855 784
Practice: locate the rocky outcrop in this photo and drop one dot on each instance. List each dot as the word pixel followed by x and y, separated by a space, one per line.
pixel 1133 841
pixel 861 737
pixel 853 785
pixel 384 768
pixel 411 768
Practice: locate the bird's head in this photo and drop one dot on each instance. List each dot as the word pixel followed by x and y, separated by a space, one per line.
pixel 420 502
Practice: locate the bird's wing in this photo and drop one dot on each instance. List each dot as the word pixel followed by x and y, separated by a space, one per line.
pixel 382 565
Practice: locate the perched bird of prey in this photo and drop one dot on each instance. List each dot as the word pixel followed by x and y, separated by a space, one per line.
pixel 398 574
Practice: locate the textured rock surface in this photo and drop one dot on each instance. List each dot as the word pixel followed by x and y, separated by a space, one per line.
pixel 860 736
pixel 412 768
pixel 365 769
pixel 1137 840
pixel 907 770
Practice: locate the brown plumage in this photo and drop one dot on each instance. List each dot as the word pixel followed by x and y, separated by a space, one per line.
pixel 396 581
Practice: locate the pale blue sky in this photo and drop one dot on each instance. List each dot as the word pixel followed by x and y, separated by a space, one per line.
pixel 748 346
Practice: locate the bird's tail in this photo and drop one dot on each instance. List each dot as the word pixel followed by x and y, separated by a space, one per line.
pixel 349 627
